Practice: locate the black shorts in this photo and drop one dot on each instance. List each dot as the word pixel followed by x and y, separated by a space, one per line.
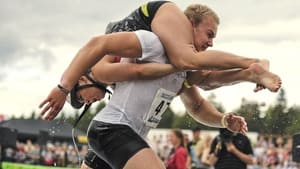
pixel 140 19
pixel 93 161
pixel 114 143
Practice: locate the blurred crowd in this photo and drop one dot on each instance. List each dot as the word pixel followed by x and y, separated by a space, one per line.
pixel 51 154
pixel 269 152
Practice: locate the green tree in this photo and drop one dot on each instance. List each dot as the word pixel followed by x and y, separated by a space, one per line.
pixel 32 115
pixel 250 110
pixel 277 119
pixel 186 121
pixel 294 123
pixel 22 117
pixel 100 106
pixel 212 99
pixel 167 119
pixel 62 116
pixel 84 122
pixel 13 117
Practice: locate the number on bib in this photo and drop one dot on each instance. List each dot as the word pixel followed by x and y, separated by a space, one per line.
pixel 159 105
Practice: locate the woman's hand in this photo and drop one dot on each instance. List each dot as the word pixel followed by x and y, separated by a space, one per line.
pixel 53 104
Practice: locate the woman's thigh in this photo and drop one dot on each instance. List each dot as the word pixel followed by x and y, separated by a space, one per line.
pixel 174 30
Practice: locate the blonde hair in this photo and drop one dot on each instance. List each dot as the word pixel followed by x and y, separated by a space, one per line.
pixel 196 12
pixel 204 144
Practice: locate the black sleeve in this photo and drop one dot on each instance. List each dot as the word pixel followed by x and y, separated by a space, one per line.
pixel 248 146
pixel 213 145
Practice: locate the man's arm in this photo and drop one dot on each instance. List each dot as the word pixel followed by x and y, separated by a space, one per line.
pixel 200 109
pixel 244 157
pixel 204 112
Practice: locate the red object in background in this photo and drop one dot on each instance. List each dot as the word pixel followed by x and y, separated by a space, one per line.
pixel 2 117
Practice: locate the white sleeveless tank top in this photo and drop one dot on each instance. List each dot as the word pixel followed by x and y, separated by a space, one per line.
pixel 141 103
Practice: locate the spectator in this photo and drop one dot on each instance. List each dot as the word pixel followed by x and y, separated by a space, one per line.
pixel 20 155
pixel 48 155
pixel 260 148
pixel 73 159
pixel 32 152
pixel 29 153
pixel 203 151
pixel 271 159
pixel 9 154
pixel 194 159
pixel 61 154
pixel 178 156
pixel 230 151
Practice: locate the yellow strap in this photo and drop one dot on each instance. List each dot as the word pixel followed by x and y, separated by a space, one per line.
pixel 145 10
pixel 186 84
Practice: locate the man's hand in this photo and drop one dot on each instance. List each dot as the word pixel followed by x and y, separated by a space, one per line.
pixel 236 123
pixel 230 147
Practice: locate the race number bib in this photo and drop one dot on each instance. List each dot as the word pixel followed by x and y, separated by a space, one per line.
pixel 159 105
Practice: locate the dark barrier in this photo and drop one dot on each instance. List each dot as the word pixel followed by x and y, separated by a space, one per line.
pixel 296 148
pixel 43 137
pixel 8 137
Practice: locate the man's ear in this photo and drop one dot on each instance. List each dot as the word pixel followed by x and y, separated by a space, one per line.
pixel 193 23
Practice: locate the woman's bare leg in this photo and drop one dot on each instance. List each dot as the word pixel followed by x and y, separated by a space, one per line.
pixel 256 73
pixel 170 20
pixel 145 159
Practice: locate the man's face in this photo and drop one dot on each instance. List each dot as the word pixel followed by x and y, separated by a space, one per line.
pixel 196 135
pixel 204 33
pixel 90 94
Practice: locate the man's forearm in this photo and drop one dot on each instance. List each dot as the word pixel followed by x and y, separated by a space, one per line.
pixel 200 109
pixel 244 157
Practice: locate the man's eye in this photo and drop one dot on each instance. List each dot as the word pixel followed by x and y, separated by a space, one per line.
pixel 79 98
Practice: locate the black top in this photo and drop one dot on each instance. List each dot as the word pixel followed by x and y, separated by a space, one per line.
pixel 148 10
pixel 227 160
pixel 139 19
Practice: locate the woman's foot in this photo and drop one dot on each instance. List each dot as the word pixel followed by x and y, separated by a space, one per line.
pixel 264 78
